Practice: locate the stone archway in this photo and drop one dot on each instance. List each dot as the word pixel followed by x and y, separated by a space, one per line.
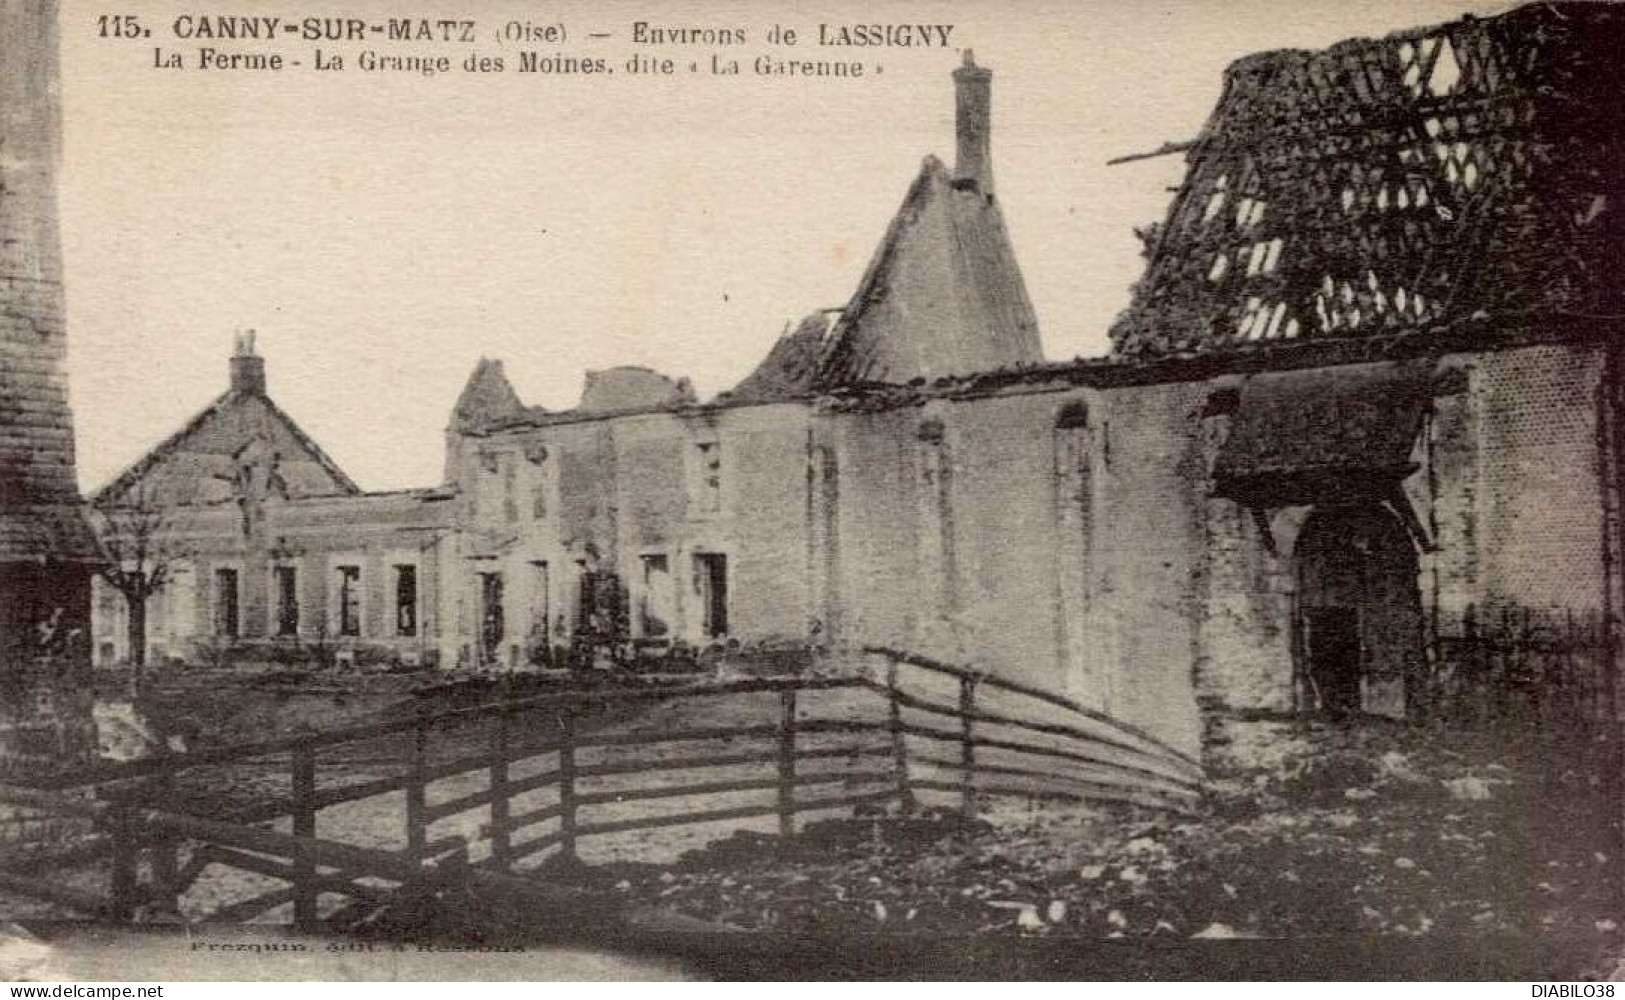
pixel 1359 610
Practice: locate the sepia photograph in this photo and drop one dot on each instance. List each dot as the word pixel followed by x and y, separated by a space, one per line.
pixel 902 491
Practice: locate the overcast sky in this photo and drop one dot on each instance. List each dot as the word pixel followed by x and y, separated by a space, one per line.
pixel 382 233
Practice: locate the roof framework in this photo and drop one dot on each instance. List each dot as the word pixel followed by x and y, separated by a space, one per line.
pixel 1434 177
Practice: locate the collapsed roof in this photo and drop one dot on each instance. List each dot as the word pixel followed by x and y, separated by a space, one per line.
pixel 791 368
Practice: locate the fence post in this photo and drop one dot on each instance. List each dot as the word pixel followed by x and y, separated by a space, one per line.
pixel 1471 687
pixel 567 782
pixel 499 790
pixel 123 888
pixel 417 826
pixel 164 848
pixel 1567 687
pixel 304 826
pixel 967 746
pixel 787 763
pixel 1600 676
pixel 899 745
pixel 1504 671
pixel 449 875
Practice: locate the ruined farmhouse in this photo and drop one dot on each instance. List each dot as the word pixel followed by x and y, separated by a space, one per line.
pixel 265 545
pixel 1366 396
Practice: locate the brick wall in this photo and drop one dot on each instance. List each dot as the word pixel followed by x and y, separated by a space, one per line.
pixel 36 430
pixel 1536 496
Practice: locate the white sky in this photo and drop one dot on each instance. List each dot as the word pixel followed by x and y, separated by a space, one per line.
pixel 382 233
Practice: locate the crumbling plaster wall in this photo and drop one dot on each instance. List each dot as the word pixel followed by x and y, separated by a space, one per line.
pixel 766 463
pixel 758 522
pixel 623 487
pixel 1150 551
pixel 875 457
pixel 1006 611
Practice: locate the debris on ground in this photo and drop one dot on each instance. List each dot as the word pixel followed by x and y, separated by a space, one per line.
pixel 1393 829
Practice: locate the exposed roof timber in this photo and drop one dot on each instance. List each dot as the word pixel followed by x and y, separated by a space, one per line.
pixel 1121 371
pixel 1166 149
pixel 1412 182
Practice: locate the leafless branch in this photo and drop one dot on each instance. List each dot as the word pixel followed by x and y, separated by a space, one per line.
pixel 138 544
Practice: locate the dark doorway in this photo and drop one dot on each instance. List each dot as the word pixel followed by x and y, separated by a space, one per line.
pixel 655 601
pixel 1359 610
pixel 1333 639
pixel 711 572
pixel 491 621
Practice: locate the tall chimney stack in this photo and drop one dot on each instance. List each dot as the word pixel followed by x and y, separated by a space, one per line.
pixel 247 368
pixel 973 124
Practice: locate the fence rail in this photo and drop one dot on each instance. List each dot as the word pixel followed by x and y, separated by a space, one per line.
pixel 542 781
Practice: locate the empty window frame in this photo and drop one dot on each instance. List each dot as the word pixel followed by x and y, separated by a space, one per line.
pixel 406 600
pixel 285 591
pixel 349 600
pixel 226 604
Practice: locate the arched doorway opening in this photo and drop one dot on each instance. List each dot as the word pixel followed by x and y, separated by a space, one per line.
pixel 1359 610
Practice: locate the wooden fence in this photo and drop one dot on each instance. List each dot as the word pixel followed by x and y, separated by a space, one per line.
pixel 545 773
pixel 1551 668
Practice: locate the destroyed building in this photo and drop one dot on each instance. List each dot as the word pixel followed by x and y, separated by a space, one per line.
pixel 724 521
pixel 1364 389
pixel 1366 395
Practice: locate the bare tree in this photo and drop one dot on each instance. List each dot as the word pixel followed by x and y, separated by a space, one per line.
pixel 138 552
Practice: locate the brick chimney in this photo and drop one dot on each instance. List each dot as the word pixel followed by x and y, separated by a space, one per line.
pixel 973 124
pixel 247 368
